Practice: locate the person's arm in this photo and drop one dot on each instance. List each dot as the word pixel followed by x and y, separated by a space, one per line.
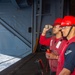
pixel 45 29
pixel 65 72
pixel 69 63
pixel 43 40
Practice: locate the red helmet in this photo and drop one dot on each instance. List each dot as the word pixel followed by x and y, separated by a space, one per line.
pixel 57 21
pixel 68 21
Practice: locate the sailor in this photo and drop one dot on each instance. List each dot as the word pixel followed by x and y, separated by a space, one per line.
pixel 54 42
pixel 66 61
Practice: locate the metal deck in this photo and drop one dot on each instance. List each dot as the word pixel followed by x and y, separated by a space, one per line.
pixel 28 66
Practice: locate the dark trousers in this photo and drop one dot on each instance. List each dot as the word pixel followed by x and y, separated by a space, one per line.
pixel 52 73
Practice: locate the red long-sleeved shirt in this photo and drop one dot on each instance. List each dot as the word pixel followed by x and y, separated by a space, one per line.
pixel 44 41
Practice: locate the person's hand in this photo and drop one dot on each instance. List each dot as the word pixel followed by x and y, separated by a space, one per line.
pixel 46 28
pixel 47 55
pixel 53 56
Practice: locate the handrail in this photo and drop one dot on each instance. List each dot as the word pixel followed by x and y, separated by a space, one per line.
pixel 14 32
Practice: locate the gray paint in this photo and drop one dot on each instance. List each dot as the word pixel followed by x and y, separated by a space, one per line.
pixel 11 45
pixel 21 20
pixel 17 18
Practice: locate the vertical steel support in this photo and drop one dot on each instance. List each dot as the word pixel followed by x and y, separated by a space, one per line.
pixel 37 22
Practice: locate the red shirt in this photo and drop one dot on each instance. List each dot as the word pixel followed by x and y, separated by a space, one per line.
pixel 44 41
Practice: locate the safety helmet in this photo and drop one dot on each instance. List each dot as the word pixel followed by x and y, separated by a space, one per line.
pixel 57 21
pixel 68 21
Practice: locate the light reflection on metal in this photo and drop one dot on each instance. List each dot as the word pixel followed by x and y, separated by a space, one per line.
pixel 6 61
